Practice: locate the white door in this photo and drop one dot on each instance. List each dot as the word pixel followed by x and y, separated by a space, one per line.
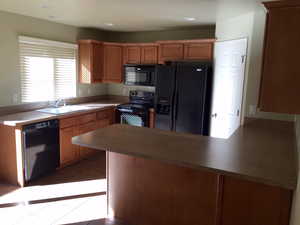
pixel 230 61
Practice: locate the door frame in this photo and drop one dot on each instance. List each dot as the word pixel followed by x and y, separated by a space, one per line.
pixel 245 80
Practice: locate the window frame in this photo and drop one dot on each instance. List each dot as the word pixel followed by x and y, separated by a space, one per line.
pixel 50 43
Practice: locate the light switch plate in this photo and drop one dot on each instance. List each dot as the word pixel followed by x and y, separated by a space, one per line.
pixel 15 98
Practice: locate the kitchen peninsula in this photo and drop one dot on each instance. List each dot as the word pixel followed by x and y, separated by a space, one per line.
pixel 160 177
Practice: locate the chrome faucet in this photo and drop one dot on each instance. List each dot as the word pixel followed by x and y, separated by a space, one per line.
pixel 58 102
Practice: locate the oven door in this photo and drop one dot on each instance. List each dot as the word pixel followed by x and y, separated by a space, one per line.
pixel 139 75
pixel 134 119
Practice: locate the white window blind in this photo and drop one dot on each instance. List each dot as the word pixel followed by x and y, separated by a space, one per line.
pixel 48 69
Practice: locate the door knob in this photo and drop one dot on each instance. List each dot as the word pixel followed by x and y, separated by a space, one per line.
pixel 214 115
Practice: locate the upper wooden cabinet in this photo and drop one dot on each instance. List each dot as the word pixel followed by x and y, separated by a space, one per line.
pixel 113 55
pixel 201 49
pixel 149 54
pixel 90 62
pixel 100 62
pixel 198 51
pixel 132 54
pixel 140 53
pixel 170 51
pixel 279 91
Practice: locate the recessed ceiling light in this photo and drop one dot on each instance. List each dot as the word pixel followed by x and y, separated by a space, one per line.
pixel 189 18
pixel 109 24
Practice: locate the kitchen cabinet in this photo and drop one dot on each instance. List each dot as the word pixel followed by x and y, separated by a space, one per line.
pixel 144 53
pixel 149 54
pixel 201 49
pixel 85 152
pixel 77 125
pixel 113 62
pixel 69 153
pixel 90 62
pixel 169 51
pixel 100 62
pixel 132 54
pixel 198 51
pixel 280 81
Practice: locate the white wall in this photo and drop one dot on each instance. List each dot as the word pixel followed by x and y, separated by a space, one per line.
pixel 239 19
pixel 11 26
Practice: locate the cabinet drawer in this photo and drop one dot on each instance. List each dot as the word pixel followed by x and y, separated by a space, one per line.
pixel 105 114
pixel 86 118
pixel 68 122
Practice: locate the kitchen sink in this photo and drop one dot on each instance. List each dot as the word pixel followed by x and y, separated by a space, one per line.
pixel 63 109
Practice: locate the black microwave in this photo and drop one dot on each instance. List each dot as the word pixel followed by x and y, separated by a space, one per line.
pixel 143 75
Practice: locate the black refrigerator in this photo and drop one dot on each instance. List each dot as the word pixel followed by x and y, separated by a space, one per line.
pixel 183 97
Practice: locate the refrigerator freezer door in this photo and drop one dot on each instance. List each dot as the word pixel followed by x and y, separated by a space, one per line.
pixel 190 99
pixel 164 96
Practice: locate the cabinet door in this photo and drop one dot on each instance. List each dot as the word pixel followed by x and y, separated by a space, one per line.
pixel 170 51
pixel 85 62
pixel 97 72
pixel 201 51
pixel 82 129
pixel 132 55
pixel 149 55
pixel 68 152
pixel 280 77
pixel 113 63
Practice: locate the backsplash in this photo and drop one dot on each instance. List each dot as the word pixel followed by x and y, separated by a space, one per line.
pixel 123 90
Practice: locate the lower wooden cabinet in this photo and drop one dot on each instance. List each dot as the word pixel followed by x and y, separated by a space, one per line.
pixel 85 128
pixel 69 153
pixel 74 126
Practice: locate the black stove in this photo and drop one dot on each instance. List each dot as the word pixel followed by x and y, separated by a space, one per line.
pixel 136 112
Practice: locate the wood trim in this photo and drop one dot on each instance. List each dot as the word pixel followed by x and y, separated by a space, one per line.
pixel 152 118
pixel 187 41
pixel 281 4
pixel 8 156
pixel 140 44
pixel 113 43
pixel 263 60
pixel 89 41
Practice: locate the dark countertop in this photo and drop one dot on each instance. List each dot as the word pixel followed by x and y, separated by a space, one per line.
pixel 23 118
pixel 262 150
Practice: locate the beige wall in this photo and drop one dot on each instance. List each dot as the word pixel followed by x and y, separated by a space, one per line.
pixel 11 26
pixel 151 36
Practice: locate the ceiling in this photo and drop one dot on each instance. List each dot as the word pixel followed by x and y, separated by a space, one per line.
pixel 128 15
pixel 125 15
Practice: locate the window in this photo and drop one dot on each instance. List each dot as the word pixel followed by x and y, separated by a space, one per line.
pixel 48 69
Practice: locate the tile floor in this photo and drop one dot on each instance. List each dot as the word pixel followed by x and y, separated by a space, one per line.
pixel 75 195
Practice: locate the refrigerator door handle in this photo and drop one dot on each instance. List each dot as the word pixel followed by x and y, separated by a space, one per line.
pixel 175 109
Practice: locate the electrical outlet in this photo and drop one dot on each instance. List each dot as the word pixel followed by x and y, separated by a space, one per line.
pixel 252 110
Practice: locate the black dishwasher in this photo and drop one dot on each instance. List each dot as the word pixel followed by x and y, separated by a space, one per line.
pixel 41 148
